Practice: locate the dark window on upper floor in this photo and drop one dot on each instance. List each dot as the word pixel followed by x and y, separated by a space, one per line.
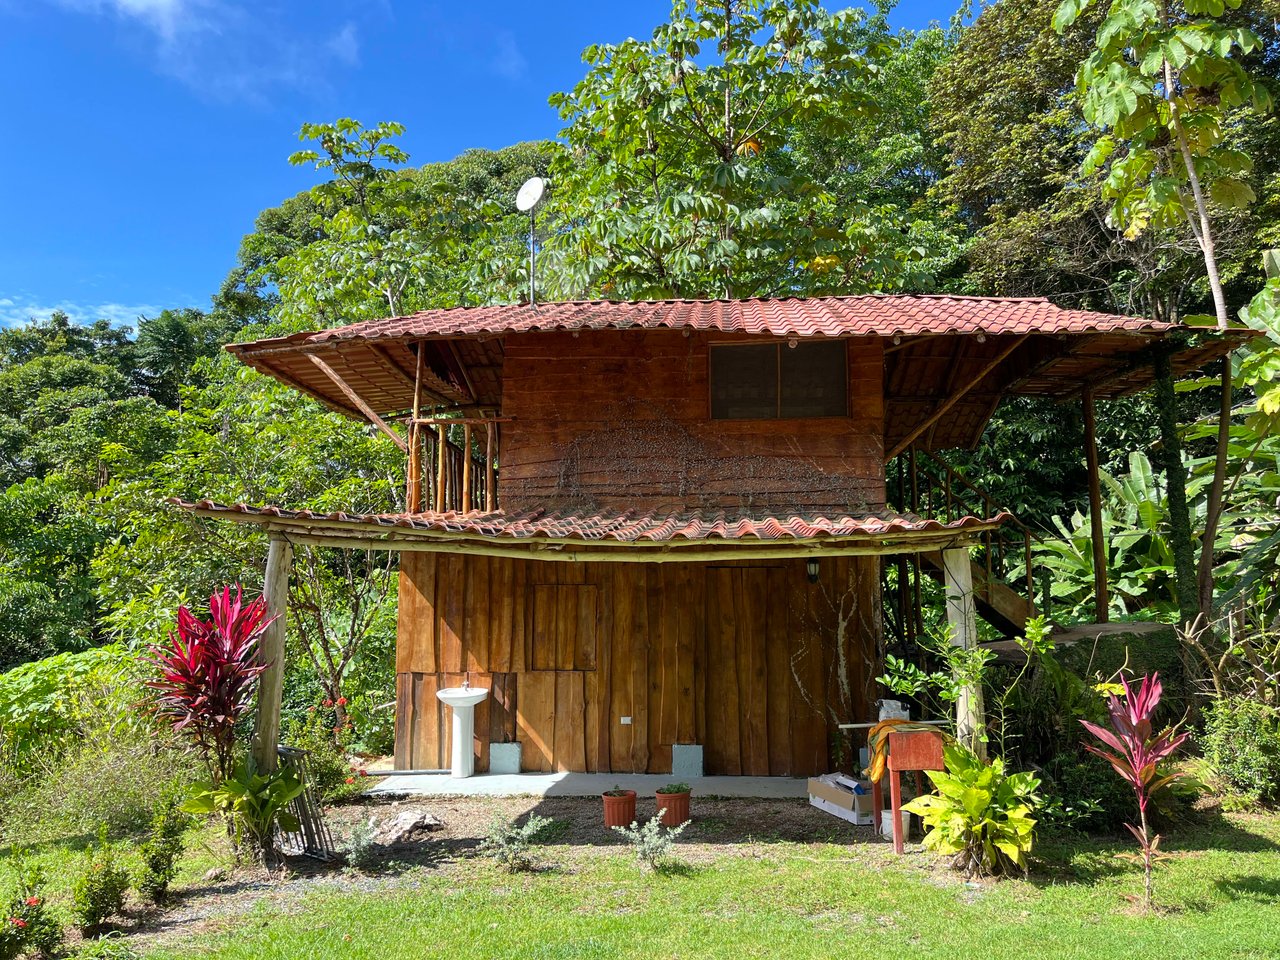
pixel 767 381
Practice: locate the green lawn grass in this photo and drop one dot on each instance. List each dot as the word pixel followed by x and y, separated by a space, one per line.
pixel 1220 897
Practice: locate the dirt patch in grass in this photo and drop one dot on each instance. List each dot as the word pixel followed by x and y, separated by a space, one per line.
pixel 730 827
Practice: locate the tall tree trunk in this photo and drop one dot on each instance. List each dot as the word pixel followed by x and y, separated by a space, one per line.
pixel 1184 564
pixel 1202 229
pixel 1213 510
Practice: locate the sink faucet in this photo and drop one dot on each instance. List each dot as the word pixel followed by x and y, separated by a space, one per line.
pixel 466 683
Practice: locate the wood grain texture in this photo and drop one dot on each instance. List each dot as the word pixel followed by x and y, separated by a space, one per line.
pixel 748 659
pixel 577 442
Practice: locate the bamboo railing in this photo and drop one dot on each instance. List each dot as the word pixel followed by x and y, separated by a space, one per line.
pixel 453 464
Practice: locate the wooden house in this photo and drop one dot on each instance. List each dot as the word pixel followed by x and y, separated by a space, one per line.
pixel 660 523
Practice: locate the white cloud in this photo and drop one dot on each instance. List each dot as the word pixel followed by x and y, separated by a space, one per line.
pixel 345 44
pixel 508 61
pixel 17 311
pixel 230 49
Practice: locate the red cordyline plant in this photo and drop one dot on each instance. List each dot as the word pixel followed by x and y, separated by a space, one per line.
pixel 1136 754
pixel 208 671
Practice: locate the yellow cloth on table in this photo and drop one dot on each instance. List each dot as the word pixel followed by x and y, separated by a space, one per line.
pixel 878 743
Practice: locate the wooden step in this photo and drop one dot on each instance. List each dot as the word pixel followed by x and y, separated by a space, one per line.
pixel 997 602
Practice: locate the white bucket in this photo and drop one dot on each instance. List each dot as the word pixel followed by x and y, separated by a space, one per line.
pixel 886 823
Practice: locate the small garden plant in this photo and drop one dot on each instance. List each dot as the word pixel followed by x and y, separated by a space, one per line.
pixel 674 788
pixel 651 843
pixel 98 891
pixel 26 925
pixel 980 815
pixel 510 845
pixel 254 804
pixel 160 852
pixel 1136 752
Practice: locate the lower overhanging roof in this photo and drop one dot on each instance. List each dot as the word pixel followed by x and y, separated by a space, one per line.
pixel 629 536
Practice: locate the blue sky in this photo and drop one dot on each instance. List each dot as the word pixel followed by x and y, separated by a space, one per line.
pixel 143 136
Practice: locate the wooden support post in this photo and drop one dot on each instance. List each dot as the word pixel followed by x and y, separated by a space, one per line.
pixel 442 459
pixel 490 477
pixel 413 482
pixel 465 504
pixel 957 571
pixel 266 727
pixel 1101 601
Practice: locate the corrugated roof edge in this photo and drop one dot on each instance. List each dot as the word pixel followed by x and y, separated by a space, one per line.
pixel 378 328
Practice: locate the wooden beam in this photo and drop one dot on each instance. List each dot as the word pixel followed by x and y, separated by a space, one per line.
pixel 266 726
pixel 1101 604
pixel 957 572
pixel 355 398
pixel 954 398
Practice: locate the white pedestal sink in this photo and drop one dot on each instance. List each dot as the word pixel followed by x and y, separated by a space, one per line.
pixel 462 700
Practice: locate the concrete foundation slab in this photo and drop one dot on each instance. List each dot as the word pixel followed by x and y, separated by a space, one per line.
pixel 579 785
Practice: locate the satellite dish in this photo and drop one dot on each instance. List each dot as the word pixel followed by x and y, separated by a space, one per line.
pixel 530 194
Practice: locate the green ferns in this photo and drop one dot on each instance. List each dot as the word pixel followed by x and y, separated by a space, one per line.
pixel 980 815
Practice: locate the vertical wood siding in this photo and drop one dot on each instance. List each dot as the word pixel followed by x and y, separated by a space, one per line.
pixel 748 659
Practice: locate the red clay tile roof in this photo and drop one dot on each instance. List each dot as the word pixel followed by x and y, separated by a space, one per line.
pixel 629 527
pixel 869 315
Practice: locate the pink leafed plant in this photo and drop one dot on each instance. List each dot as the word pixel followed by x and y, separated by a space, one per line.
pixel 207 674
pixel 1136 753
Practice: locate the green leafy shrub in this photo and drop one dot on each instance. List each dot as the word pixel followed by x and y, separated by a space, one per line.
pixel 254 804
pixel 46 705
pixel 160 852
pixel 1081 791
pixel 97 893
pixel 373 724
pixel 651 843
pixel 509 844
pixel 980 815
pixel 361 849
pixel 327 763
pixel 1241 743
pixel 27 926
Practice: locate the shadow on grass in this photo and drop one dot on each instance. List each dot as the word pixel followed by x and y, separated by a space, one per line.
pixel 1264 890
pixel 1084 859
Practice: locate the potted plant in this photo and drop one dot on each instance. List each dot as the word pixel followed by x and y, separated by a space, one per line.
pixel 619 807
pixel 673 802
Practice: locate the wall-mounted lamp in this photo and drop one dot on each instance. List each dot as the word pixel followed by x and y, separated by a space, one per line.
pixel 811 568
pixel 792 342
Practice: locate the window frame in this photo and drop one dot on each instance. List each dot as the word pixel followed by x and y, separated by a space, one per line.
pixel 779 345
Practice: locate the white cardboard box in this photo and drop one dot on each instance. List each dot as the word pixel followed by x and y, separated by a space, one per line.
pixel 834 794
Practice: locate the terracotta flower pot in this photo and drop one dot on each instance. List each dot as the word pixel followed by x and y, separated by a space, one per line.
pixel 675 807
pixel 620 811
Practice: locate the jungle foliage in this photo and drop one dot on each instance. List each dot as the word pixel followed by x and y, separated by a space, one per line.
pixel 773 147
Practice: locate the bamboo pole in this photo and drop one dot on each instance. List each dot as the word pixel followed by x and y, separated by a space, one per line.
pixel 490 476
pixel 465 502
pixel 442 443
pixel 266 727
pixel 1101 604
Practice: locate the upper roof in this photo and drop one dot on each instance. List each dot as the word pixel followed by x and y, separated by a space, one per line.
pixel 878 315
pixel 996 345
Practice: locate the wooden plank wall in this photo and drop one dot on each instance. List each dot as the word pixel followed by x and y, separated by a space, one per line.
pixel 748 659
pixel 578 442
